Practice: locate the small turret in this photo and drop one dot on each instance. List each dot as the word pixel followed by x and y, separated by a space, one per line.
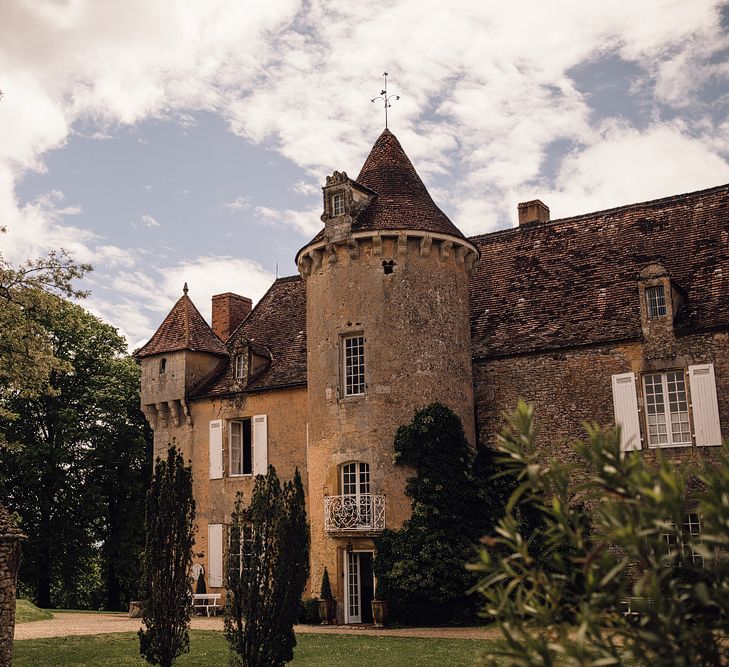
pixel 181 352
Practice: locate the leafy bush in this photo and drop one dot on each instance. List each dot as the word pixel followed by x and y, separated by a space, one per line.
pixel 619 579
pixel 308 611
pixel 421 565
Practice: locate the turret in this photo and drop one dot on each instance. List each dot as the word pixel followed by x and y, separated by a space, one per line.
pixel 388 333
pixel 181 352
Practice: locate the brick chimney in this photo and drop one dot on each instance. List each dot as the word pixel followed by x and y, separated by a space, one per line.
pixel 533 211
pixel 229 310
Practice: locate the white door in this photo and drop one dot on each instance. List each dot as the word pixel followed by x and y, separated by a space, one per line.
pixel 352 607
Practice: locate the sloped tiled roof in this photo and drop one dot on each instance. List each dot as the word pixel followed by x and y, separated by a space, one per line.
pixel 183 329
pixel 575 281
pixel 403 201
pixel 278 323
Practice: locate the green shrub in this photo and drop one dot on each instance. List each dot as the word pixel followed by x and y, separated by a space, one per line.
pixel 308 612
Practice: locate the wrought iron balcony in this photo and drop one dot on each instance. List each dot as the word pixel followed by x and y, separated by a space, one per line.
pixel 364 512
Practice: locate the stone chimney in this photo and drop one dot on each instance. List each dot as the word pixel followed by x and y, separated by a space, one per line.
pixel 533 211
pixel 229 310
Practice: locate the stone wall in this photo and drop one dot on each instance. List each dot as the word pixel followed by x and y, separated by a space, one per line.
pixel 571 386
pixel 414 319
pixel 10 538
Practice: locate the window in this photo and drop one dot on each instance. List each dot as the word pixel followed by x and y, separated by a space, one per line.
pixel 337 205
pixel 690 535
pixel 240 543
pixel 354 370
pixel 655 301
pixel 241 454
pixel 356 488
pixel 666 408
pixel 239 366
pixel 162 366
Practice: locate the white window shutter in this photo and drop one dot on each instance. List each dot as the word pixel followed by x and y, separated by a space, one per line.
pixel 260 444
pixel 625 404
pixel 216 449
pixel 215 555
pixel 707 428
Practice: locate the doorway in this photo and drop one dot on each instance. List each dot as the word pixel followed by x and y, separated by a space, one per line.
pixel 359 586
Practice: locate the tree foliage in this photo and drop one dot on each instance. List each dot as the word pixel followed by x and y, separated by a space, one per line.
pixel 74 463
pixel 29 297
pixel 619 579
pixel 169 532
pixel 267 566
pixel 421 565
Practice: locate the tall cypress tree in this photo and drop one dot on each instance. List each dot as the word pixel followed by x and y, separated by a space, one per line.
pixel 267 569
pixel 166 561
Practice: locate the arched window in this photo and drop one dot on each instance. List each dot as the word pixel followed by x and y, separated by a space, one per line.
pixel 162 365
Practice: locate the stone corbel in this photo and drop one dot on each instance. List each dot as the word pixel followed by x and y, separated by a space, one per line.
pixel 150 412
pixel 162 414
pixel 186 411
pixel 461 253
pixel 471 260
pixel 402 244
pixel 316 258
pixel 425 243
pixel 305 266
pixel 445 250
pixel 353 248
pixel 175 410
pixel 331 254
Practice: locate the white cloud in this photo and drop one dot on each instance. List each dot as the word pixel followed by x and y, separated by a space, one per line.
pixel 148 221
pixel 306 223
pixel 486 89
pixel 237 204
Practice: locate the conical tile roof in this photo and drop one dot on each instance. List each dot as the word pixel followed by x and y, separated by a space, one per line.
pixel 402 201
pixel 183 329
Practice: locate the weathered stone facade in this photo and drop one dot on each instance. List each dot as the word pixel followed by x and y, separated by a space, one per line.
pixel 394 308
pixel 10 537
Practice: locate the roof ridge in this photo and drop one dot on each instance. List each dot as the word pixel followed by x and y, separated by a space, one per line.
pixel 601 212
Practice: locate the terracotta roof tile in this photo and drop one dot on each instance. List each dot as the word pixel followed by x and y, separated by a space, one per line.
pixel 184 328
pixel 277 325
pixel 574 281
pixel 403 201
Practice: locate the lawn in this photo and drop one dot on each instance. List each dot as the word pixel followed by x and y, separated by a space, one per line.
pixel 208 647
pixel 26 611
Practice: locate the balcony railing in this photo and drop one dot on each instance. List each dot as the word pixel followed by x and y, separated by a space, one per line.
pixel 362 512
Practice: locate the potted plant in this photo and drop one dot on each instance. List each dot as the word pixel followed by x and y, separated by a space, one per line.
pixel 327 603
pixel 379 603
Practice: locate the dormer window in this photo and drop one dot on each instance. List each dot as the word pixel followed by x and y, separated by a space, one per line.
pixel 162 365
pixel 239 366
pixel 655 298
pixel 337 204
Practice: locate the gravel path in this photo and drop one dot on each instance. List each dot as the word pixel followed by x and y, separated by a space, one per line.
pixel 64 624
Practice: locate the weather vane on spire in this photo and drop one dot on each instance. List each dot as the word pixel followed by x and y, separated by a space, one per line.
pixel 385 98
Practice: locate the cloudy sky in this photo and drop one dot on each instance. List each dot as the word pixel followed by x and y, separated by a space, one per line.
pixel 167 141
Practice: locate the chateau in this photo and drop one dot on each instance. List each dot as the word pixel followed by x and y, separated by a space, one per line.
pixel 620 315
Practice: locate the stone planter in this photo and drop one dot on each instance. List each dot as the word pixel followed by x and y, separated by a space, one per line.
pixel 328 612
pixel 135 609
pixel 379 613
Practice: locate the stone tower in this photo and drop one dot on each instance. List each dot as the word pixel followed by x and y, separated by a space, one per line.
pixel 387 318
pixel 182 351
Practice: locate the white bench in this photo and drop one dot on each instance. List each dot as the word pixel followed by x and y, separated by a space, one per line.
pixel 207 601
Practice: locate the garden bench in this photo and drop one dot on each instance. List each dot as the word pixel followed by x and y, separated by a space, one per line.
pixel 207 601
